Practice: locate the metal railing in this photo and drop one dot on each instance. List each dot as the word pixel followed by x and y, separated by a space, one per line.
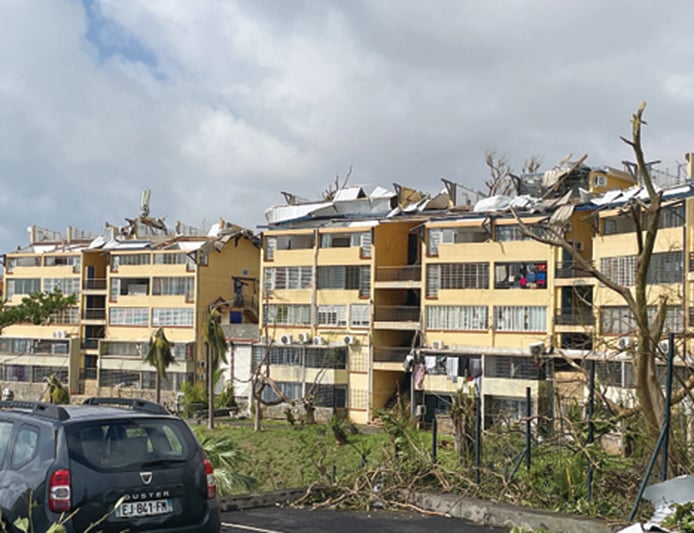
pixel 94 313
pixel 570 269
pixel 98 284
pixel 90 343
pixel 399 273
pixel 574 318
pixel 396 313
pixel 390 354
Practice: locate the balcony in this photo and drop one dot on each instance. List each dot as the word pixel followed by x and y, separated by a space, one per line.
pixel 570 269
pixel 399 277
pixel 390 354
pixel 94 284
pixel 402 317
pixel 90 343
pixel 94 313
pixel 575 317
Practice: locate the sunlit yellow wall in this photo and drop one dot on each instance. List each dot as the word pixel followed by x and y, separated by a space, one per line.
pixel 490 252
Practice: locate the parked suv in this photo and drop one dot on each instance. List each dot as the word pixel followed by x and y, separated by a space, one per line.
pixel 125 463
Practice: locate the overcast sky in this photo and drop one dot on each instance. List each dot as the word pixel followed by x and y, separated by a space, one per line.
pixel 217 106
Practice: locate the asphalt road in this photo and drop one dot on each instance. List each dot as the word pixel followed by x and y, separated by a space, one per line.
pixel 287 520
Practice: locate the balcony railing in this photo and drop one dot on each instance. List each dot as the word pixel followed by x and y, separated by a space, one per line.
pixel 399 273
pixel 390 354
pixel 98 284
pixel 570 269
pixel 94 313
pixel 90 343
pixel 396 313
pixel 574 318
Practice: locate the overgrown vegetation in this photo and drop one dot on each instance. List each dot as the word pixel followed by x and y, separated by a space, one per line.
pixel 379 468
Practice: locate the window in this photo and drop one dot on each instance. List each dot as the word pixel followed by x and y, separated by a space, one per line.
pixel 617 224
pixel 288 278
pixel 67 286
pixel 514 233
pixel 521 275
pixel 173 258
pixel 270 247
pixel 25 446
pixel 288 314
pixel 23 286
pixel 332 315
pixel 671 216
pixel 618 320
pixel 359 315
pixel 511 367
pixel 69 315
pixel 456 276
pixel 113 445
pixel 5 433
pixel 499 408
pixel 128 316
pixel 665 267
pixel 173 286
pixel 469 234
pixel 345 277
pixel 118 260
pixel 361 239
pixel 306 356
pixel 22 261
pixel 128 287
pixel 179 317
pixel 520 318
pixel 457 317
pixel 62 260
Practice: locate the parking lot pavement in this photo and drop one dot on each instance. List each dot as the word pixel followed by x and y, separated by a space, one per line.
pixel 288 520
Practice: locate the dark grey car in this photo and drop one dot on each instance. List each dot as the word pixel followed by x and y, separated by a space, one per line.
pixel 114 464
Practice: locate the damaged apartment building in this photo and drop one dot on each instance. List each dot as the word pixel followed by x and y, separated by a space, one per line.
pixel 129 281
pixel 372 295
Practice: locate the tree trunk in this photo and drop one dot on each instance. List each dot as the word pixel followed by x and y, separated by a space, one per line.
pixel 210 390
pixel 157 386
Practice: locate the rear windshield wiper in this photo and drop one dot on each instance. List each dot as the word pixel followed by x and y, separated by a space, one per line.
pixel 163 461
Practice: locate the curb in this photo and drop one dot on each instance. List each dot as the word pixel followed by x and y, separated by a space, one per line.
pixel 477 511
pixel 505 515
pixel 239 502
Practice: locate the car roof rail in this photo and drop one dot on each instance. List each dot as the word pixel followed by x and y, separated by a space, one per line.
pixel 49 410
pixel 136 404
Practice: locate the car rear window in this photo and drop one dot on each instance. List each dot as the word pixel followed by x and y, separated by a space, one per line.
pixel 120 443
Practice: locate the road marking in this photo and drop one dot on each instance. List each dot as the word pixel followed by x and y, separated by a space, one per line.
pixel 251 528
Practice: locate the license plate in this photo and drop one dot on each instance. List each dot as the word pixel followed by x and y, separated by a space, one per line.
pixel 144 508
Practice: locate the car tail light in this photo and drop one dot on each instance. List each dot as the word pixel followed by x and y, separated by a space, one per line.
pixel 59 500
pixel 211 481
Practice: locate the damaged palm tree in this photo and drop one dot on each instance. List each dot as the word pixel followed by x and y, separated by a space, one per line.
pixel 159 356
pixel 216 355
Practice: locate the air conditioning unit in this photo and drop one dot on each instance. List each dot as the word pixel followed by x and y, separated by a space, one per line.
pixel 599 181
pixel 349 339
pixel 536 349
pixel 438 345
pixel 624 342
pixel 286 339
pixel 304 338
pixel 60 334
pixel 318 340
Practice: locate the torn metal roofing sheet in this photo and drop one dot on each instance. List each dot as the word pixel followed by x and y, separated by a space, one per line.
pixel 187 245
pixel 349 193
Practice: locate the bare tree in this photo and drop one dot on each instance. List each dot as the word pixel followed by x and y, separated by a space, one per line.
pixel 649 328
pixel 499 181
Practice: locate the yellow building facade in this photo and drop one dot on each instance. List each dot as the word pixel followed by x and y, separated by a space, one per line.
pixel 127 286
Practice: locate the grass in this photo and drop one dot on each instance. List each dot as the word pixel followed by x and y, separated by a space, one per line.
pixel 285 456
